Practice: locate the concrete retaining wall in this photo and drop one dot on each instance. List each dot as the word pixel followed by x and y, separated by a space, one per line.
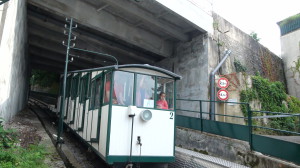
pixel 190 61
pixel 229 149
pixel 251 54
pixel 13 58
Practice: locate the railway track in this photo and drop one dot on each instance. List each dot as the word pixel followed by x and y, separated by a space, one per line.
pixel 73 151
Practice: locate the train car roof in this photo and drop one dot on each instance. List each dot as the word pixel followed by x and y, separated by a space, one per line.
pixel 142 66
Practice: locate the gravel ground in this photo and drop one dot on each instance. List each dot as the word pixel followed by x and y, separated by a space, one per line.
pixel 30 131
pixel 73 151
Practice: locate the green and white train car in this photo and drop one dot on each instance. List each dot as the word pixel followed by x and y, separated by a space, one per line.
pixel 115 111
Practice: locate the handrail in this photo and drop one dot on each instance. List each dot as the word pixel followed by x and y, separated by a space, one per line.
pixel 196 121
pixel 212 101
pixel 297 114
pixel 273 129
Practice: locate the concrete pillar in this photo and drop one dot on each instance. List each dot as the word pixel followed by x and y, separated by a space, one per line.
pixel 13 58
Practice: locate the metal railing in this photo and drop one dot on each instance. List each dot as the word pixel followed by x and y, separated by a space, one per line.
pixel 244 132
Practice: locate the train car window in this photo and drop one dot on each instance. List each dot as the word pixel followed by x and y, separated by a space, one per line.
pixel 74 87
pixel 145 91
pixel 68 86
pixel 98 84
pixel 92 100
pixel 123 88
pixel 165 93
pixel 106 94
pixel 83 88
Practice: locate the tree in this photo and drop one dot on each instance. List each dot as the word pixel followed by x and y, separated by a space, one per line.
pixel 254 36
pixel 43 78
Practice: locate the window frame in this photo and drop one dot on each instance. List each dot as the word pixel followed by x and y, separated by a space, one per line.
pixel 135 89
pixel 84 84
pixel 113 85
pixel 93 88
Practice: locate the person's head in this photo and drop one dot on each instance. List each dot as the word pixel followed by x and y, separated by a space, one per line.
pixel 162 95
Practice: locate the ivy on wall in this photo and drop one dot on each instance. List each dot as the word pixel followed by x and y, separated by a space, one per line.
pixel 296 69
pixel 238 66
pixel 272 96
pixel 268 67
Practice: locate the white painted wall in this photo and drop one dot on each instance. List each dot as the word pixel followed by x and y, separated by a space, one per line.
pixel 290 50
pixel 13 59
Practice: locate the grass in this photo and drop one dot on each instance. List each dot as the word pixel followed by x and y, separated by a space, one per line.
pixel 12 155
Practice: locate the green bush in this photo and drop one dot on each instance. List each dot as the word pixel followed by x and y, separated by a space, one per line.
pixel 8 138
pixel 271 96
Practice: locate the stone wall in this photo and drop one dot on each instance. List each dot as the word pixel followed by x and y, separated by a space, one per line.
pixel 13 59
pixel 251 54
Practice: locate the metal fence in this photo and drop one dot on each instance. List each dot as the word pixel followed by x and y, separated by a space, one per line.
pixel 194 114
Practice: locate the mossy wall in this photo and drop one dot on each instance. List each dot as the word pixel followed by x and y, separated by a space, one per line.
pixel 251 55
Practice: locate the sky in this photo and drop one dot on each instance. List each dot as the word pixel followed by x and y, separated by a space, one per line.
pixel 259 16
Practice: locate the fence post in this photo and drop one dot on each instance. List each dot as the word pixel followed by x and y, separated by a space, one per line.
pixel 201 124
pixel 250 125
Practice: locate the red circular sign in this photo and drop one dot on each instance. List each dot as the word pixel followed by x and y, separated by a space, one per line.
pixel 223 94
pixel 223 83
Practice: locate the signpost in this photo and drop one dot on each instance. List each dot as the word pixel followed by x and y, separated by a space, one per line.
pixel 223 83
pixel 223 94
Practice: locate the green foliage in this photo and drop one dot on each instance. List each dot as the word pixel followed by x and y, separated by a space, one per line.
pixel 8 138
pixel 43 78
pixel 13 156
pixel 18 157
pixel 254 36
pixel 296 68
pixel 246 96
pixel 293 104
pixel 238 66
pixel 271 95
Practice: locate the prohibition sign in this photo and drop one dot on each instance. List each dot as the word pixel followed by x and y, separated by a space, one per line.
pixel 223 95
pixel 223 83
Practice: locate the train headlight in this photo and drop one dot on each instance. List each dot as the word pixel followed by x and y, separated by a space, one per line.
pixel 146 115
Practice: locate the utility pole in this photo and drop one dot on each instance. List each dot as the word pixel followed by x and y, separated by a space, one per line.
pixel 68 32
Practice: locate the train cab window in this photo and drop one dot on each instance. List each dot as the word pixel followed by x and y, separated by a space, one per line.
pixel 165 93
pixel 123 88
pixel 145 91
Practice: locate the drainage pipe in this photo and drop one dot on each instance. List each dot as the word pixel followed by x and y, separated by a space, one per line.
pixel 212 85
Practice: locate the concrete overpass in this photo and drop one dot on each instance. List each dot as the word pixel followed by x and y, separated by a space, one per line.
pixel 134 31
pixel 131 30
